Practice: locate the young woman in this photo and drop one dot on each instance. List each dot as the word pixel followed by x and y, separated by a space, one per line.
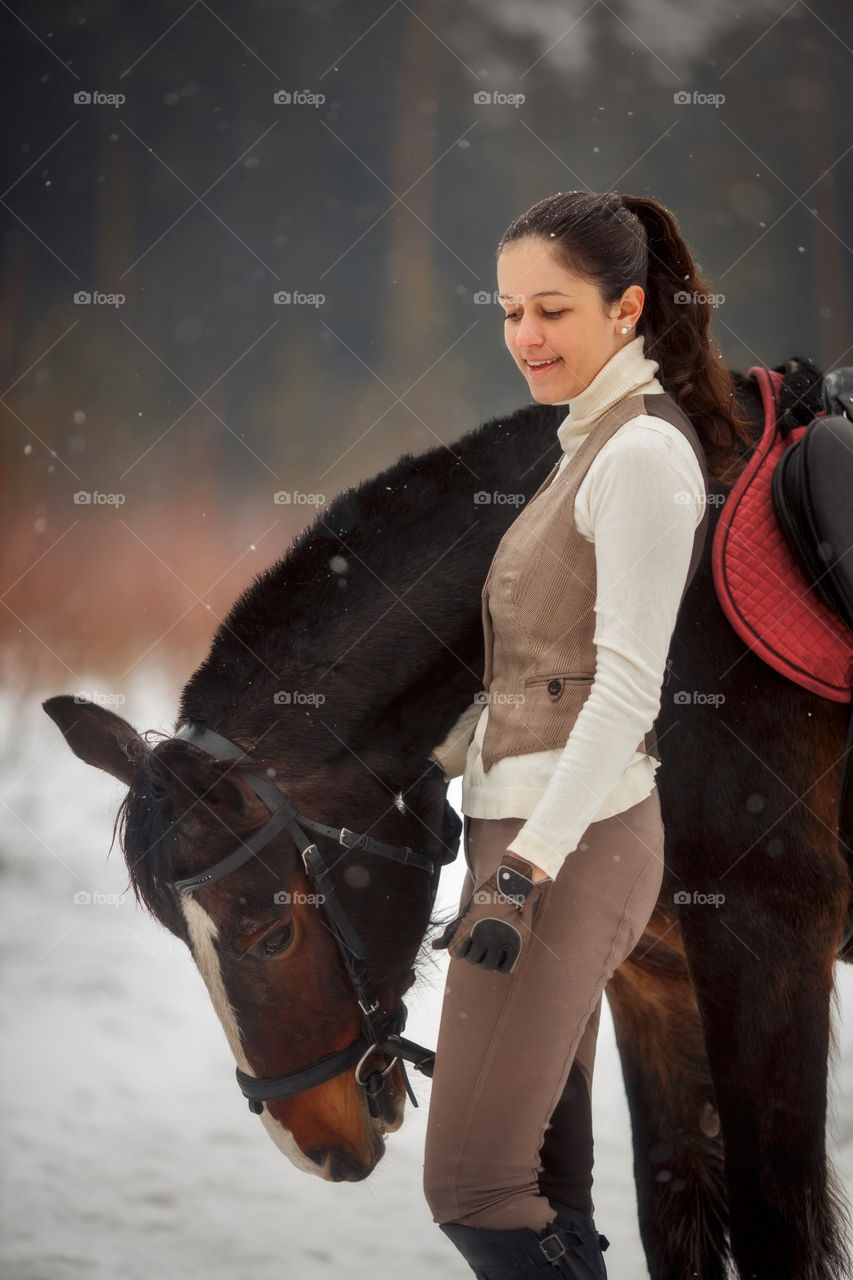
pixel 563 835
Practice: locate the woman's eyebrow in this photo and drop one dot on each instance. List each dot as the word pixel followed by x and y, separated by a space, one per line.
pixel 547 293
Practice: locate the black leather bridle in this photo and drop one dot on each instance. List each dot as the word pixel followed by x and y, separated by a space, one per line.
pixel 381 1032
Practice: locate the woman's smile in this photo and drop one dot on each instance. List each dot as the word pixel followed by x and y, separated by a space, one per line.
pixel 539 368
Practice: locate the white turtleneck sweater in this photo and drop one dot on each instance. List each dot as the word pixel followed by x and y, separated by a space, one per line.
pixel 639 503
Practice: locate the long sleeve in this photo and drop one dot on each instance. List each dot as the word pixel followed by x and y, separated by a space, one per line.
pixel 645 500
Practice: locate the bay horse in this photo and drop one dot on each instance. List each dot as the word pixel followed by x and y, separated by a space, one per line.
pixel 336 672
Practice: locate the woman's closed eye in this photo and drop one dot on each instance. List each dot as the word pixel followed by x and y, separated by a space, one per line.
pixel 552 315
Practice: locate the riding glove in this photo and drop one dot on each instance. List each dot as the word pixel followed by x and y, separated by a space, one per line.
pixel 491 927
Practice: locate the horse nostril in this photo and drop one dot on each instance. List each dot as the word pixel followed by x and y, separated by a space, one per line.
pixel 343 1165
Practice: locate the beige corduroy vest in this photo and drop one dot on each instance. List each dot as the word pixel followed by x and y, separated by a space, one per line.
pixel 538 602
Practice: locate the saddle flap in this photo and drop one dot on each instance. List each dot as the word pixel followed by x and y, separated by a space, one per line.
pixel 763 590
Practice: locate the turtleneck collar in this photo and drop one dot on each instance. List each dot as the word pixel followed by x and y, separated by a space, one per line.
pixel 627 372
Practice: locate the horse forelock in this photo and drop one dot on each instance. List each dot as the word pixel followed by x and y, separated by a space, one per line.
pixel 148 835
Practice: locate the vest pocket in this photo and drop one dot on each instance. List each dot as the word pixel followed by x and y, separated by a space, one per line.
pixel 540 720
pixel 555 682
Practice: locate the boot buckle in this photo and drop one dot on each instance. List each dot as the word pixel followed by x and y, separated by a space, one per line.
pixel 552 1247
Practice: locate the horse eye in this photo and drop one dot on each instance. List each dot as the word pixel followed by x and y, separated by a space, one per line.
pixel 276 942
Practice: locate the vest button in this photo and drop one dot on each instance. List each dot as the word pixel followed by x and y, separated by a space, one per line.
pixel 554 687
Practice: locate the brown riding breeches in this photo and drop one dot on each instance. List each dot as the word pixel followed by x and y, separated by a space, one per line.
pixel 509 1118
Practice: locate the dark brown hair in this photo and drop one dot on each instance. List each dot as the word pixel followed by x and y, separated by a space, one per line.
pixel 617 240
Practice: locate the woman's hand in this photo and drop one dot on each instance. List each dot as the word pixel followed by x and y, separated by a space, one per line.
pixel 491 927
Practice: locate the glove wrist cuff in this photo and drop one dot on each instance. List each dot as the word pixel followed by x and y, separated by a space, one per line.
pixel 515 879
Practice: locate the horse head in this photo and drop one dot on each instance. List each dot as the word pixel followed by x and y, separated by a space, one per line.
pixel 260 935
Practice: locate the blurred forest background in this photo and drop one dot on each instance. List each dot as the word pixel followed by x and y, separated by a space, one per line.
pixel 342 154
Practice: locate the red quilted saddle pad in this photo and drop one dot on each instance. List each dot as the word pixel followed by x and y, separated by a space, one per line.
pixel 759 584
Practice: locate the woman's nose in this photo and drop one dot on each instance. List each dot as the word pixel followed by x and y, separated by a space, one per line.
pixel 528 336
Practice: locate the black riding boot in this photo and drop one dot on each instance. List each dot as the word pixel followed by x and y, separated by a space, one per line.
pixel 582 1237
pixel 568 1247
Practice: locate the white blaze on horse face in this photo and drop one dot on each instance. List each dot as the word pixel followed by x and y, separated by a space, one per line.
pixel 203 931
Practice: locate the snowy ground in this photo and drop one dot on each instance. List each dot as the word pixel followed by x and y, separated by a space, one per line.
pixel 128 1149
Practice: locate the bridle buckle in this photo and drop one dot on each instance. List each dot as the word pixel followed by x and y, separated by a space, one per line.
pixel 351 840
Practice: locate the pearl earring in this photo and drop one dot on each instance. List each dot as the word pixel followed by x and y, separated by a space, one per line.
pixel 625 330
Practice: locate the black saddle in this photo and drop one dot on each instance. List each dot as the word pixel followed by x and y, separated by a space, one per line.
pixel 812 496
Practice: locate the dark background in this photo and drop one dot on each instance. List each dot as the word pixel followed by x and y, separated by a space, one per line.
pixel 199 198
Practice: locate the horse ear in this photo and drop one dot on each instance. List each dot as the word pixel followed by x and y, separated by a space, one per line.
pixel 190 778
pixel 98 736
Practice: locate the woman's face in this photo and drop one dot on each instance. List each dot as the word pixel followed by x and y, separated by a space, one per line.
pixel 557 317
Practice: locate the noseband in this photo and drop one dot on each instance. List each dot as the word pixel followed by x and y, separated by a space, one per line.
pixel 381 1032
